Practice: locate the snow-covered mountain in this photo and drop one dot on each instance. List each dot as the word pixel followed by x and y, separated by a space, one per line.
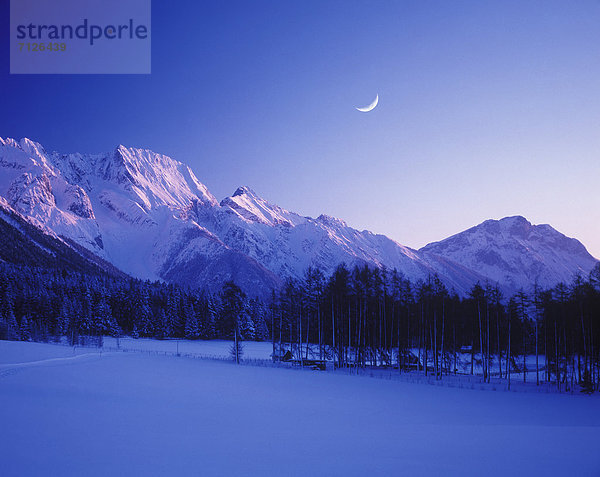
pixel 151 217
pixel 515 253
pixel 287 243
pixel 130 207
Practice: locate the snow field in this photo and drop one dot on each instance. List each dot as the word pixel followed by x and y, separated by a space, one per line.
pixel 143 414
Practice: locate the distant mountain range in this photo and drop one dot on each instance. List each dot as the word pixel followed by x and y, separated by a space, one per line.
pixel 149 216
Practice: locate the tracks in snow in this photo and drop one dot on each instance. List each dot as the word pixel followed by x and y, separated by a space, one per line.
pixel 8 369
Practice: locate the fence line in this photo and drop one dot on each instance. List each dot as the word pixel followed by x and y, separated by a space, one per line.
pixel 460 381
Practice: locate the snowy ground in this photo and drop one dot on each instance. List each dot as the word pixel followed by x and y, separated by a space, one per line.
pixel 209 349
pixel 118 413
pixel 15 352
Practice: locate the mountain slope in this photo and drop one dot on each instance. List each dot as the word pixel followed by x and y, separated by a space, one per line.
pixel 288 243
pixel 515 253
pixel 25 244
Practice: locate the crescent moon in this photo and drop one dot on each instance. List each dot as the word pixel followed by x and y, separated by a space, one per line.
pixel 370 107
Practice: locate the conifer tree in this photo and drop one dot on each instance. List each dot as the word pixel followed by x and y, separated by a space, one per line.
pixel 134 331
pixel 192 331
pixel 24 329
pixel 232 313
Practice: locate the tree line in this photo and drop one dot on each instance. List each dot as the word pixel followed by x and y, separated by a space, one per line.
pixel 358 317
pixel 44 304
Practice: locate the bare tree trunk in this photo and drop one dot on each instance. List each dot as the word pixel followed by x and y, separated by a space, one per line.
pixel 524 355
pixel 472 347
pixel 235 344
pixel 333 331
pixel 273 330
pixel 307 333
pixel 498 337
pixel 537 364
pixel 350 333
pixel 385 342
pixel 426 360
pixel 585 354
pixel 508 354
pixel 435 349
pixel 572 365
pixel 358 324
pixel 594 358
pixel 546 350
pixel 420 339
pixel 300 338
pixel 566 356
pixel 425 344
pixel 556 358
pixel 363 333
pixel 408 339
pixel 472 355
pixel 487 358
pixel 443 329
pixel 481 342
pixel 320 329
pixel 399 345
pixel 454 345
pixel 280 331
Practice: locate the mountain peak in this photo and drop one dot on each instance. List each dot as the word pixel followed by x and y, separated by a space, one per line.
pixel 331 221
pixel 24 144
pixel 514 219
pixel 513 225
pixel 30 151
pixel 33 147
pixel 159 179
pixel 511 220
pixel 244 190
pixel 10 142
pixel 250 206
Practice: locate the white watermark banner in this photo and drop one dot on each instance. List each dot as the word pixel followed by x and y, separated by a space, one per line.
pixel 80 37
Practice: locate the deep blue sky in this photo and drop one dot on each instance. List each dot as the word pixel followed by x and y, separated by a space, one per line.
pixel 486 109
